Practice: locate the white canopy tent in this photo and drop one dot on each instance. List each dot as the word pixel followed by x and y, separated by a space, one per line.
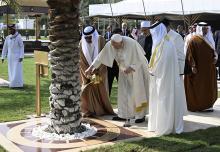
pixel 155 7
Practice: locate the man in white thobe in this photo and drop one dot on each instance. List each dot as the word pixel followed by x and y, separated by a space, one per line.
pixel 133 75
pixel 178 42
pixel 13 49
pixel 166 105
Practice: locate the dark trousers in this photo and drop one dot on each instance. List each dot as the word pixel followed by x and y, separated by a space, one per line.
pixel 112 73
pixel 218 72
pixel 218 65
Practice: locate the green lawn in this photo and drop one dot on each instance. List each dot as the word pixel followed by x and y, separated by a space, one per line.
pixel 114 93
pixel 16 104
pixel 199 141
pixel 2 150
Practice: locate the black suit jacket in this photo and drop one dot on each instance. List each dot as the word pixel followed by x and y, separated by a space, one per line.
pixel 217 41
pixel 127 33
pixel 217 45
pixel 106 36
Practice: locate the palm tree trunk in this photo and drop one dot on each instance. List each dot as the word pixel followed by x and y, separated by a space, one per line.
pixel 64 58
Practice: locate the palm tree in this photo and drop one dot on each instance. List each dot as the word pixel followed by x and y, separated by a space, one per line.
pixel 64 98
pixel 64 56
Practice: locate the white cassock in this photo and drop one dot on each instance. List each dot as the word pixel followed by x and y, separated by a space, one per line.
pixel 133 87
pixel 167 106
pixel 14 49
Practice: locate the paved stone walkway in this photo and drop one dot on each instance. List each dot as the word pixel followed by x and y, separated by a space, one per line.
pixel 218 82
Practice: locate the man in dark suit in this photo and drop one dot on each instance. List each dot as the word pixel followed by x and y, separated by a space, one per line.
pixel 217 47
pixel 125 31
pixel 145 39
pixel 108 33
pixel 180 31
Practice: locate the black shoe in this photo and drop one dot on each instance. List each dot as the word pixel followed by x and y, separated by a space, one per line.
pixel 118 118
pixel 140 120
pixel 208 110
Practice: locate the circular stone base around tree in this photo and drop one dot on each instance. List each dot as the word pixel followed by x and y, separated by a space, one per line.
pixel 39 132
pixel 23 134
pixel 18 135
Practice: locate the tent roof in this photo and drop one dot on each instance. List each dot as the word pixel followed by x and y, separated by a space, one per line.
pixel 155 7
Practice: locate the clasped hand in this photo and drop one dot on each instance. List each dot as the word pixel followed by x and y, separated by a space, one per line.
pixel 89 72
pixel 194 70
pixel 129 70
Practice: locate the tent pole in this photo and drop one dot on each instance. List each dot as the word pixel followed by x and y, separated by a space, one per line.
pixel 7 16
pixel 111 8
pixel 110 4
pixel 145 14
pixel 183 16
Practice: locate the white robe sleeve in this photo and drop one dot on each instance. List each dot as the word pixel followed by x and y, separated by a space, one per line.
pixel 154 71
pixel 178 42
pixel 138 57
pixel 187 39
pixel 106 57
pixel 21 47
pixel 158 63
pixel 180 53
pixel 5 49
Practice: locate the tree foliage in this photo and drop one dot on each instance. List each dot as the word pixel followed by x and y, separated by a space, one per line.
pixel 13 4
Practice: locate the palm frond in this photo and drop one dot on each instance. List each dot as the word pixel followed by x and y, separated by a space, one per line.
pixel 13 4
